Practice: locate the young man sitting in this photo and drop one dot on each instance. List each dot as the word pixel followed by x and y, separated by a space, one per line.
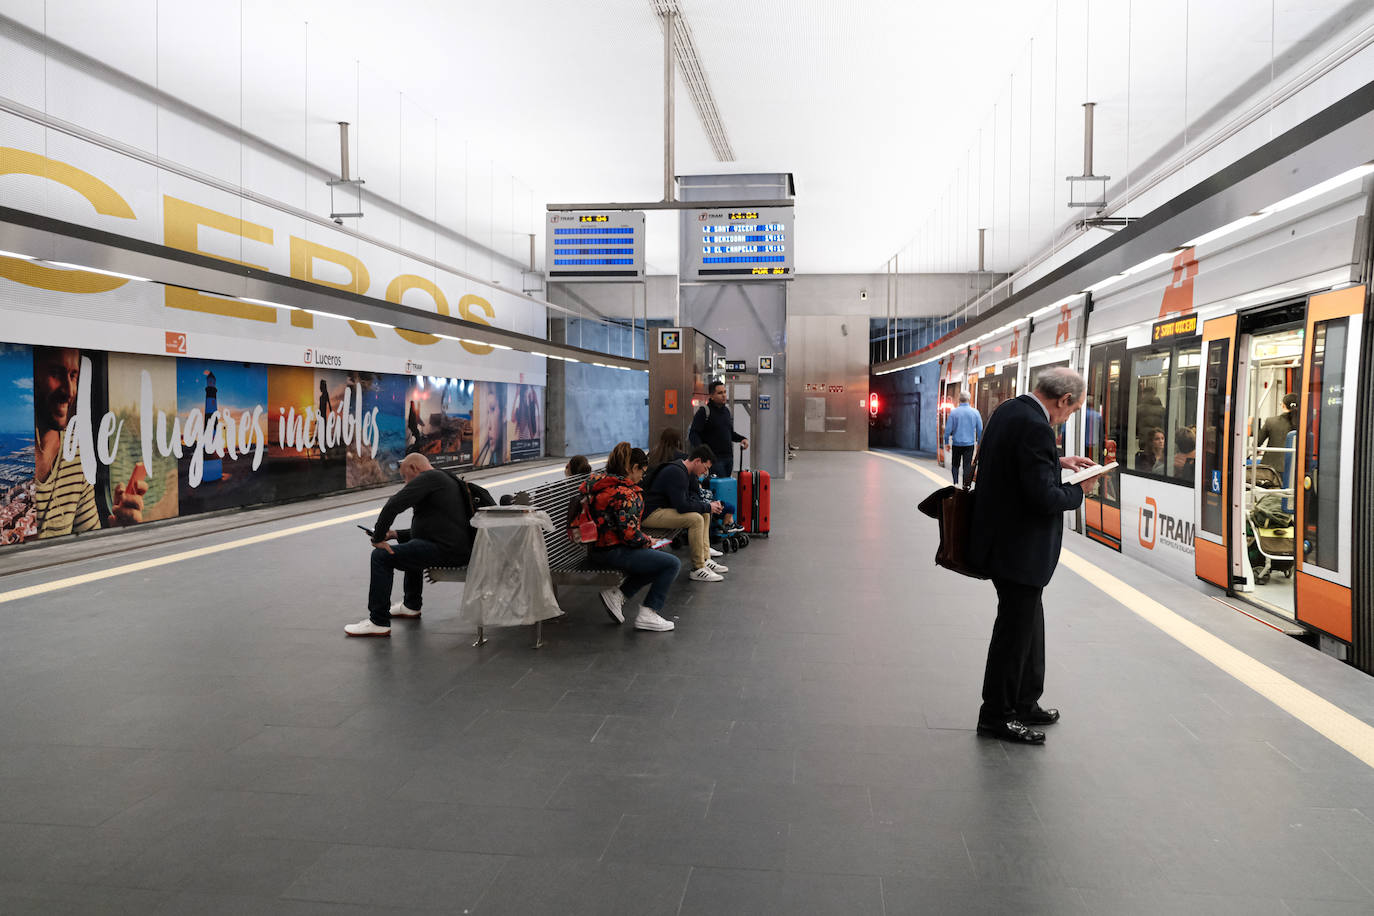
pixel 674 501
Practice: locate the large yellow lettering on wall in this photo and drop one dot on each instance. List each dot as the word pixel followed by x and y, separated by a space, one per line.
pixel 181 222
pixel 102 197
pixel 304 253
pixel 466 306
pixel 398 288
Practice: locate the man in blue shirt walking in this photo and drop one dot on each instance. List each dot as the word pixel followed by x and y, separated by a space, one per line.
pixel 963 430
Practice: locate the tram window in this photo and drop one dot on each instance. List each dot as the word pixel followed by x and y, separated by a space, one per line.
pixel 1325 403
pixel 1103 413
pixel 1160 431
pixel 1213 435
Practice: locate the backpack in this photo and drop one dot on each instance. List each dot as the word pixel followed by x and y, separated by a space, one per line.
pixel 579 522
pixel 472 497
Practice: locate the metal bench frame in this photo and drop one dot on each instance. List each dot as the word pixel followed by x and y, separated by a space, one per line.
pixel 567 559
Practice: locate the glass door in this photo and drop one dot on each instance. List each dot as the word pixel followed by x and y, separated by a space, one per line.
pixel 1212 535
pixel 1325 452
pixel 1103 424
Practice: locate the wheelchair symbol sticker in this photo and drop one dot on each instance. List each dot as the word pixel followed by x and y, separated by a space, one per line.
pixel 1216 481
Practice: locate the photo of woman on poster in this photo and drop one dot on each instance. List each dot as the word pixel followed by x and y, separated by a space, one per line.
pixel 491 424
pixel 526 428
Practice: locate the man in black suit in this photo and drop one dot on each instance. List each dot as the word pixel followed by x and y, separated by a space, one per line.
pixel 1018 527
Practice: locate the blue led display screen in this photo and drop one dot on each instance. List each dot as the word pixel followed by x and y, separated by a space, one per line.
pixel 596 246
pixel 732 245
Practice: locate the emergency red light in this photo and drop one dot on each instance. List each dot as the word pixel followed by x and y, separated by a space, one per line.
pixel 873 404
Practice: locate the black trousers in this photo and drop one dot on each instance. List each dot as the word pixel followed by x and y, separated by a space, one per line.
pixel 962 455
pixel 1014 677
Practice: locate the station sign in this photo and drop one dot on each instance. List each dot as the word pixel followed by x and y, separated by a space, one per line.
pixel 735 365
pixel 594 245
pixel 1173 328
pixel 735 245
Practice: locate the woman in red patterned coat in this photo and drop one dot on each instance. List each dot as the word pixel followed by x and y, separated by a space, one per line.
pixel 617 504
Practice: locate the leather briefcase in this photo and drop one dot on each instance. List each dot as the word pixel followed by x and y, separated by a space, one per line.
pixel 952 507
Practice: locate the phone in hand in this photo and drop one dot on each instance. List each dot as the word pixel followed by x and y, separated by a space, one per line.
pixel 659 543
pixel 368 532
pixel 137 477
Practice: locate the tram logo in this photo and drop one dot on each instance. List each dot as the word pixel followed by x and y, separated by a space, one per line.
pixel 1149 523
pixel 1178 295
pixel 1160 528
pixel 176 343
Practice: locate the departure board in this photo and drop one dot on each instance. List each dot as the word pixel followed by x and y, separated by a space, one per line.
pixel 734 245
pixel 588 245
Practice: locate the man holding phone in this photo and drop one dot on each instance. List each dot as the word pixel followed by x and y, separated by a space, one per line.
pixel 675 501
pixel 438 536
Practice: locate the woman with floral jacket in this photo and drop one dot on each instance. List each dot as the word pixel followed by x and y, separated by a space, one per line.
pixel 617 504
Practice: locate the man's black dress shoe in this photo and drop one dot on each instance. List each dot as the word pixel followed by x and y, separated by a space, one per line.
pixel 1040 716
pixel 1014 731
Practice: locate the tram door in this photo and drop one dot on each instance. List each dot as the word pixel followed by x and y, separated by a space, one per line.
pixel 1103 418
pixel 1211 535
pixel 1325 460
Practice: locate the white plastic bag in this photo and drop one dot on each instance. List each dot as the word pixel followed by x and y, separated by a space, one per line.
pixel 508 581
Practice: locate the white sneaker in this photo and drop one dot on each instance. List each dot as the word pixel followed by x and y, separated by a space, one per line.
pixel 713 552
pixel 366 627
pixel 648 619
pixel 705 575
pixel 399 609
pixel 614 599
pixel 716 567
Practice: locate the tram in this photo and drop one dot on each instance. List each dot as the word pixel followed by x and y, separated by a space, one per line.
pixel 1224 378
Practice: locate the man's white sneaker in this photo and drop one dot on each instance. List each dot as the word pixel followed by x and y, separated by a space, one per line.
pixel 705 575
pixel 399 609
pixel 717 567
pixel 614 599
pixel 648 619
pixel 713 552
pixel 366 627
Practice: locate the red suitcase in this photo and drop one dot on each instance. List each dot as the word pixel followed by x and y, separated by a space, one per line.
pixel 755 496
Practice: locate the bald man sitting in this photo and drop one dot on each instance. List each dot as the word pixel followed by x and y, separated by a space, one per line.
pixel 438 536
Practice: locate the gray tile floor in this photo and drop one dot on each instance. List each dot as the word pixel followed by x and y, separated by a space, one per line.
pixel 200 737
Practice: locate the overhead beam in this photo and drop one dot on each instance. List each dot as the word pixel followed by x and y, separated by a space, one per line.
pixel 674 205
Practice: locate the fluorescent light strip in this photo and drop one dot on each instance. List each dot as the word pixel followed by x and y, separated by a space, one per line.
pixel 375 324
pixel 1318 190
pixel 1222 231
pixel 275 305
pixel 1151 262
pixel 15 254
pixel 96 270
pixel 325 314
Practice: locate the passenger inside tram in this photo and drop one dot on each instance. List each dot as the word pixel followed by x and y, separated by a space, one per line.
pixel 1185 452
pixel 1150 458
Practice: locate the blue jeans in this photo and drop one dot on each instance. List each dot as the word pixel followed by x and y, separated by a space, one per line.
pixel 724 465
pixel 413 558
pixel 642 567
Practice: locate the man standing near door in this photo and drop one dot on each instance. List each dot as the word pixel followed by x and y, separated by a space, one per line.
pixel 714 425
pixel 963 430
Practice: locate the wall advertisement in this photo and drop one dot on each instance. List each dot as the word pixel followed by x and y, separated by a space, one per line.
pixel 92 439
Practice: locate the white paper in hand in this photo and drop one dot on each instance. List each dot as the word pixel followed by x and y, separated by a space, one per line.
pixel 1087 473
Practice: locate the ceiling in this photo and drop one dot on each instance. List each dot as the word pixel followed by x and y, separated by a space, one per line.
pixel 859 101
pixel 907 125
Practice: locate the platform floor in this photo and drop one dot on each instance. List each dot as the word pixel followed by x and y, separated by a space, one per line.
pixel 201 737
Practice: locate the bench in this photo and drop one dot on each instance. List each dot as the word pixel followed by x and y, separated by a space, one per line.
pixel 567 559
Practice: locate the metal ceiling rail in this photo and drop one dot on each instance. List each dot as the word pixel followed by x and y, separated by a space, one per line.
pixel 51 240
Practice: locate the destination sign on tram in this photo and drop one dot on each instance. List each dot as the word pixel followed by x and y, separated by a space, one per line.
pixel 1174 328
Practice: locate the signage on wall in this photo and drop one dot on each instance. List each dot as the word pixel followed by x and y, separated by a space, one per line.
pixel 670 340
pixel 735 365
pixel 1173 328
pixel 765 365
pixel 670 401
pixel 765 402
pixel 176 343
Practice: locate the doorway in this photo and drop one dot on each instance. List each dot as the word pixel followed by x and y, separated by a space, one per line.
pixel 1267 396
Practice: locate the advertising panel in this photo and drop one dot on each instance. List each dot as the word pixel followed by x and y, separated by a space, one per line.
pixel 1157 525
pixel 525 422
pixel 489 414
pixel 439 419
pixel 18 517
